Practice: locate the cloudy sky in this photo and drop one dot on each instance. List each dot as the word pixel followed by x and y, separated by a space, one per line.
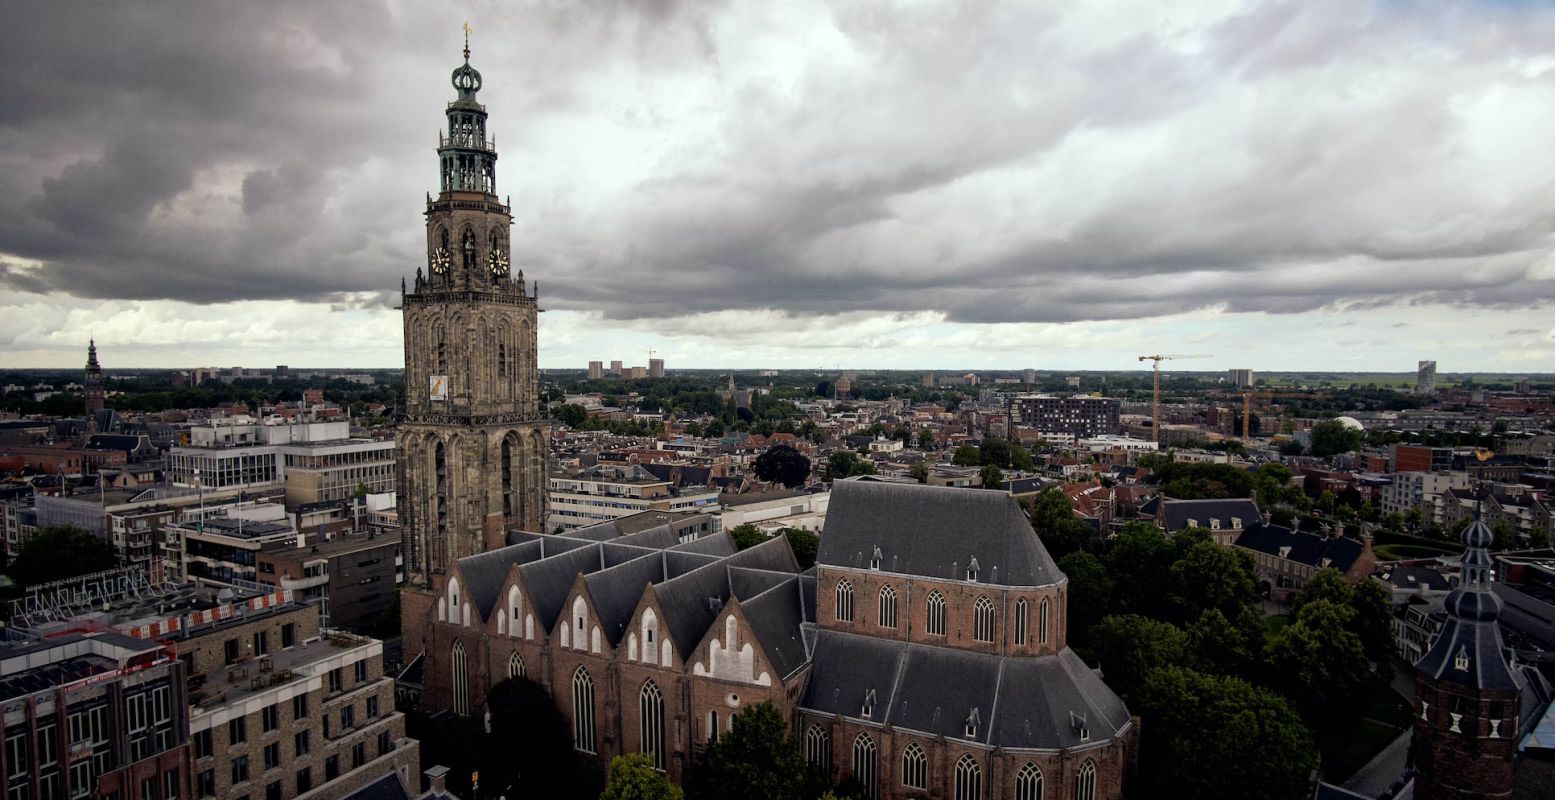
pixel 1316 184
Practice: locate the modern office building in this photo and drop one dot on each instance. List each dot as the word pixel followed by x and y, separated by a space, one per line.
pixel 1080 416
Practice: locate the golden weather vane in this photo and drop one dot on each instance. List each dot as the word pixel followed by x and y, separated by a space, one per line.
pixel 467 40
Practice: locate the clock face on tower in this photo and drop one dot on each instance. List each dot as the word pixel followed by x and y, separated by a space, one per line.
pixel 440 261
pixel 498 262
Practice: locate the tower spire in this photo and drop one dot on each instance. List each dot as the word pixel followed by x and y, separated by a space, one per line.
pixel 466 41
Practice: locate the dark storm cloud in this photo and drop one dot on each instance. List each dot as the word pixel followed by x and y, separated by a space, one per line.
pixel 993 162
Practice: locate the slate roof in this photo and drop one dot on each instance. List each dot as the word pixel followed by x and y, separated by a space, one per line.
pixel 1021 702
pixel 935 531
pixel 1178 512
pixel 1305 547
pixel 778 616
pixel 692 601
pixel 387 787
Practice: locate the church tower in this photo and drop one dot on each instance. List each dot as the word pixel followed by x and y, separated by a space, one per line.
pixel 471 440
pixel 1467 692
pixel 92 384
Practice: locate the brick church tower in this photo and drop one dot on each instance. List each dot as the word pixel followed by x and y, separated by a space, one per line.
pixel 471 441
pixel 1467 692
pixel 92 384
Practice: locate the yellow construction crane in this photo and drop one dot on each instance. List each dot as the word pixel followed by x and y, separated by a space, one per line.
pixel 1247 406
pixel 1155 428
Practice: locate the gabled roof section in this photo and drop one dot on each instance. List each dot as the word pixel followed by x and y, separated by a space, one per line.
pixel 691 601
pixel 616 591
pixel 1305 547
pixel 485 573
pixel 776 617
pixel 1178 512
pixel 935 531
pixel 549 580
pixel 715 544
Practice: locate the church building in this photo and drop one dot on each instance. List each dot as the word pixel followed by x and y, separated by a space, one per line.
pixel 925 655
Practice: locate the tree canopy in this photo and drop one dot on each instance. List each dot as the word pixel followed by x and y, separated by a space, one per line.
pixel 1332 437
pixel 633 777
pixel 756 760
pixel 60 552
pixel 783 464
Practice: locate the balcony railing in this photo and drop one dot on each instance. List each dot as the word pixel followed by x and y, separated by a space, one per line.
pixel 488 144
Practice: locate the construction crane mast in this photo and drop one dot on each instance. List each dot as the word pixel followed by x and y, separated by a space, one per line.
pixel 1155 426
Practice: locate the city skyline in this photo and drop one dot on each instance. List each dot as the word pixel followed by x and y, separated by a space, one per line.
pixel 824 187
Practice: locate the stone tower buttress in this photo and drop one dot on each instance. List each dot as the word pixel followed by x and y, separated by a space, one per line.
pixel 472 438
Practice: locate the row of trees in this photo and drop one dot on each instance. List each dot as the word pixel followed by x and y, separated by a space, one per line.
pixel 1175 623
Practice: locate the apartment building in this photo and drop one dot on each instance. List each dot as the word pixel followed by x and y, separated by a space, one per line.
pixel 314 462
pixel 1080 416
pixel 1422 490
pixel 95 715
pixel 607 493
pixel 352 578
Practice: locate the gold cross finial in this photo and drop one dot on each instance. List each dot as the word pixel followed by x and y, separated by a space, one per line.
pixel 467 40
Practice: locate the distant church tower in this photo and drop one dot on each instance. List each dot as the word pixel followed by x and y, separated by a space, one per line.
pixel 471 442
pixel 1467 692
pixel 92 385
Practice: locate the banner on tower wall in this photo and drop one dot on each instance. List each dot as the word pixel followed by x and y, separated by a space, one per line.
pixel 439 387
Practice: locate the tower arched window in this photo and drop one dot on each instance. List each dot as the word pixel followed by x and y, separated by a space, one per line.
pixel 817 747
pixel 1085 781
pixel 583 710
pixel 1042 616
pixel 969 779
pixel 515 666
pixel 864 764
pixel 1020 621
pixel 915 767
pixel 467 244
pixel 1028 783
pixel 934 620
pixel 650 719
pixel 982 619
pixel 507 482
pixel 887 607
pixel 844 601
pixel 458 672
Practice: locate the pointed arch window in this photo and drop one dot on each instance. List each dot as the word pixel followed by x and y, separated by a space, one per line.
pixel 1085 781
pixel 864 764
pixel 1020 621
pixel 887 607
pixel 982 619
pixel 969 779
pixel 516 666
pixel 650 707
pixel 1028 783
pixel 934 620
pixel 844 601
pixel 1042 616
pixel 583 710
pixel 457 670
pixel 817 747
pixel 915 767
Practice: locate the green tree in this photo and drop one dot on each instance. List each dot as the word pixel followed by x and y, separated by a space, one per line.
pixel 1219 646
pixel 919 471
pixel 1320 663
pixel 783 464
pixel 840 464
pixel 1332 437
pixel 1141 560
pixel 861 467
pixel 633 777
pixel 570 414
pixel 60 552
pixel 925 439
pixel 529 752
pixel 967 456
pixel 757 760
pixel 1090 593
pixel 1212 576
pixel 1221 738
pixel 1061 531
pixel 747 535
pixel 991 476
pixel 805 544
pixel 1128 648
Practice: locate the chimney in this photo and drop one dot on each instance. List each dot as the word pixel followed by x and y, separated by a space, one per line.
pixel 437 781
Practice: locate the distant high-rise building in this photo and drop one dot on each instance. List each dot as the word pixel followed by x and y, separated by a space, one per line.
pixel 1240 378
pixel 282 371
pixel 596 369
pixel 1425 378
pixel 928 379
pixel 615 368
pixel 655 367
pixel 635 372
pixel 844 386
pixel 1029 376
pixel 1084 417
pixel 92 385
pixel 970 379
